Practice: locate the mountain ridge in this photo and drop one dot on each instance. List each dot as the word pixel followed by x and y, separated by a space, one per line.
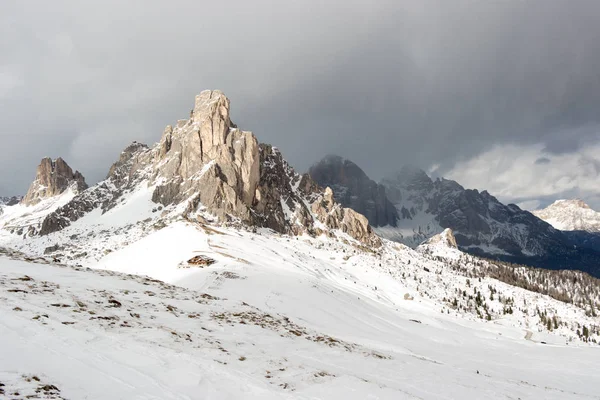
pixel 208 165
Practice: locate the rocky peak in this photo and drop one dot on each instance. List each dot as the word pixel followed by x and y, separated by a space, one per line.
pixel 445 238
pixel 353 188
pixel 211 166
pixel 570 215
pixel 207 158
pixel 53 177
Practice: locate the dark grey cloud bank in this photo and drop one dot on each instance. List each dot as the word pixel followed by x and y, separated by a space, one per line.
pixel 383 83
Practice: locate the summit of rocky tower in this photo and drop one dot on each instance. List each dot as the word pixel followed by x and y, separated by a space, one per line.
pixel 354 189
pixel 445 238
pixel 210 166
pixel 53 177
pixel 570 215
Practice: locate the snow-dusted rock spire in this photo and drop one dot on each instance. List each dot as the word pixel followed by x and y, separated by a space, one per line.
pixel 53 177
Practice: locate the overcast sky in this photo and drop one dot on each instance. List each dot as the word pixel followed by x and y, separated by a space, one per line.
pixel 499 95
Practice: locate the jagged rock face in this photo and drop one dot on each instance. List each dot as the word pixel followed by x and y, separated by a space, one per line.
pixel 53 177
pixel 480 223
pixel 353 188
pixel 445 238
pixel 212 166
pixel 291 203
pixel 207 157
pixel 570 215
pixel 281 194
pixel 335 216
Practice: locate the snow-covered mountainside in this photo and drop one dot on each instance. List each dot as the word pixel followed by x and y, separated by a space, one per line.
pixel 205 267
pixel 481 224
pixel 6 201
pixel 570 215
pixel 284 317
pixel 18 220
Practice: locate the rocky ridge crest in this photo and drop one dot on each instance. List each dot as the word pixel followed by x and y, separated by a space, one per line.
pixel 211 166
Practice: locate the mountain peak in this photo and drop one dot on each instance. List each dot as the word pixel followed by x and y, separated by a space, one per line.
pixel 354 189
pixel 410 177
pixel 571 203
pixel 445 238
pixel 53 177
pixel 570 215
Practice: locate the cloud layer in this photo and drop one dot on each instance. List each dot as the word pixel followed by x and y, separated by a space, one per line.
pixel 383 83
pixel 532 177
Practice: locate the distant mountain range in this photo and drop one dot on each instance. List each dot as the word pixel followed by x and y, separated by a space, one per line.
pixel 482 225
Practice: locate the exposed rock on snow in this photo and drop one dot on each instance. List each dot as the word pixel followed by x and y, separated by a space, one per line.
pixel 200 261
pixel 446 238
pixel 570 215
pixel 53 177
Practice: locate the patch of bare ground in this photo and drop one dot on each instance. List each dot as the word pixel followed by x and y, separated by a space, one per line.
pixel 286 328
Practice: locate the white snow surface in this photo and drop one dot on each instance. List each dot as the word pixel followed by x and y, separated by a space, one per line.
pixel 21 216
pixel 570 215
pixel 274 317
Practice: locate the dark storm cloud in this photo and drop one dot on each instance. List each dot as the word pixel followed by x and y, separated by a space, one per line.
pixel 543 160
pixel 383 83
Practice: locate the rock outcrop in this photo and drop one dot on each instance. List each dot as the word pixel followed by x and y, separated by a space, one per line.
pixel 211 166
pixel 53 177
pixel 209 158
pixel 354 189
pixel 335 216
pixel 445 238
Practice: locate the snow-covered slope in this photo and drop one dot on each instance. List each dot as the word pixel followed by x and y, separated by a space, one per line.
pixel 570 215
pixel 20 219
pixel 277 317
